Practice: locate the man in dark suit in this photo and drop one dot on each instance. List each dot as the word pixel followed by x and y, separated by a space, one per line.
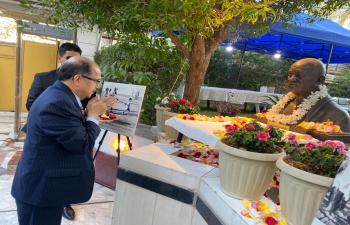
pixel 56 167
pixel 44 80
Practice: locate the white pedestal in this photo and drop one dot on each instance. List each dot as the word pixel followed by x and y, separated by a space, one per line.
pixel 154 187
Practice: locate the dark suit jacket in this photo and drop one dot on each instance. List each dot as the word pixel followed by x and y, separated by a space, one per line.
pixel 40 83
pixel 56 167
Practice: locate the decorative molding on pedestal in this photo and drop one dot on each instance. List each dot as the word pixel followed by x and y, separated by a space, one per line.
pixel 171 191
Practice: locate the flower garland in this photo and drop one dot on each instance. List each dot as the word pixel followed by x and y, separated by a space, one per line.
pixel 325 127
pixel 275 115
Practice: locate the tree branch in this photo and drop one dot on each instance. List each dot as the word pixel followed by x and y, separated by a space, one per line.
pixel 212 43
pixel 179 44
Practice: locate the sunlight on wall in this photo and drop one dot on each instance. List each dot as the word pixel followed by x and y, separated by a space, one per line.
pixel 8 33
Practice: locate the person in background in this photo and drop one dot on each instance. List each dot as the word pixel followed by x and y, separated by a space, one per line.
pixel 56 166
pixel 308 99
pixel 44 80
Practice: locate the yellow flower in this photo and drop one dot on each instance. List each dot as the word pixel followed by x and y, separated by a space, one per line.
pixel 246 203
pixel 282 222
pixel 262 206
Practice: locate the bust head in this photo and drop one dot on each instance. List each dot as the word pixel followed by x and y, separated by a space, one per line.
pixel 305 76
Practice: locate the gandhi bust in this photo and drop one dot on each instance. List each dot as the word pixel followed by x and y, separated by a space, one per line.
pixel 308 99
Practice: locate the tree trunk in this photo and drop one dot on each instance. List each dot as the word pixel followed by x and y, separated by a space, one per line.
pixel 199 58
pixel 195 76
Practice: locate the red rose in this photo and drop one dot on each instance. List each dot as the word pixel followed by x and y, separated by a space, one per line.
pixel 173 102
pixel 197 154
pixel 270 221
pixel 181 155
pixel 189 104
pixel 182 101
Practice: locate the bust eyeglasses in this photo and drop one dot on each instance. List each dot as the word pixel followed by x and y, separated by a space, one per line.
pixel 97 81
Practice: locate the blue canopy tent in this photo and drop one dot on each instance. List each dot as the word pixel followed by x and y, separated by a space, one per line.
pixel 324 40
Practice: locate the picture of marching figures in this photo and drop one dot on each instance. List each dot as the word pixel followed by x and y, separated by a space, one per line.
pixel 335 208
pixel 127 107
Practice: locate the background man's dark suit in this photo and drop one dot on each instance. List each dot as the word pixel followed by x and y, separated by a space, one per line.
pixel 56 166
pixel 41 82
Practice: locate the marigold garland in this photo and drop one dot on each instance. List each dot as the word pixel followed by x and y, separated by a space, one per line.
pixel 325 127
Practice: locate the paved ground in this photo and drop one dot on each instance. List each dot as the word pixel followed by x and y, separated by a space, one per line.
pixel 98 210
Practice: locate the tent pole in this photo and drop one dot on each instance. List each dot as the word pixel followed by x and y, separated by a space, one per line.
pixel 329 58
pixel 240 66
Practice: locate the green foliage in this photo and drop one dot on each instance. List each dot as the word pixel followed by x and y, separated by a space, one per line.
pixel 340 87
pixel 253 137
pixel 151 62
pixel 257 70
pixel 207 23
pixel 270 100
pixel 323 158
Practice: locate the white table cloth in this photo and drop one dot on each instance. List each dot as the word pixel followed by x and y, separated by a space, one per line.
pixel 234 95
pixel 201 131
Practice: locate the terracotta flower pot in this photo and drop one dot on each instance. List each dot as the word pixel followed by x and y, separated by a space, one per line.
pixel 245 174
pixel 170 132
pixel 301 193
pixel 160 117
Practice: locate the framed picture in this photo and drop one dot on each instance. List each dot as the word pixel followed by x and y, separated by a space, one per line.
pixel 127 107
pixel 335 208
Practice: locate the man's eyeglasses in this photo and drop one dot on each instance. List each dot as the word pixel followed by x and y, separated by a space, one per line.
pixel 97 81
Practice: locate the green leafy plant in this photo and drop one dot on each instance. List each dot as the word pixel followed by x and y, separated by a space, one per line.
pixel 206 23
pixel 253 137
pixel 270 100
pixel 182 106
pixel 322 158
pixel 257 70
pixel 340 86
pixel 152 63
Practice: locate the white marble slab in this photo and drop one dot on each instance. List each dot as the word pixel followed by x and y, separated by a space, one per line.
pixel 7 159
pixel 8 218
pixel 100 194
pixel 198 219
pixel 155 161
pixel 133 205
pixel 19 144
pixel 3 137
pixel 7 202
pixel 91 214
pixel 201 131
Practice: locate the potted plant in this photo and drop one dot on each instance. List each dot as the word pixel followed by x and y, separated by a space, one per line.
pixel 177 106
pixel 248 155
pixel 161 106
pixel 307 172
pixel 228 109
